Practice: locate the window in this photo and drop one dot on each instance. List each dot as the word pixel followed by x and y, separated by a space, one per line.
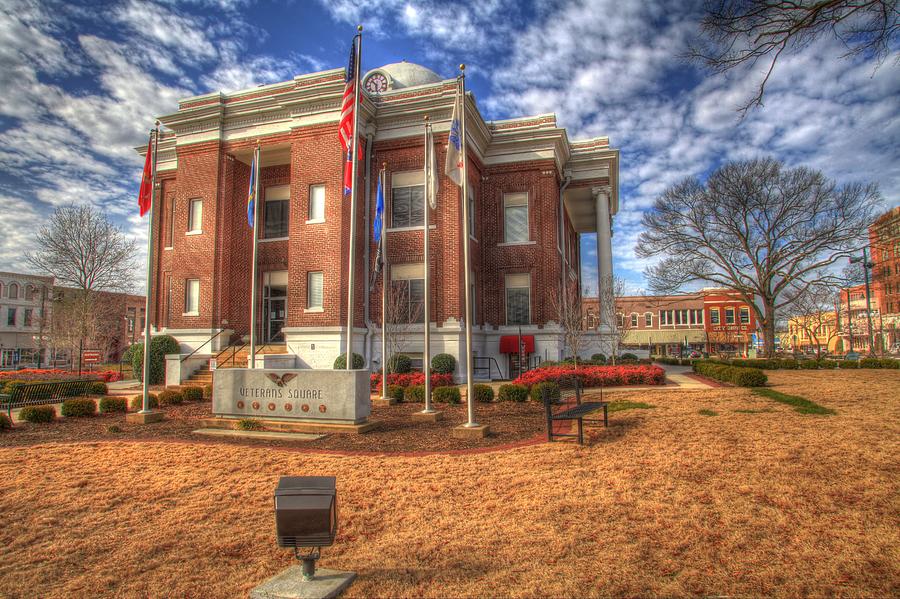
pixel 195 216
pixel 13 291
pixel 471 212
pixel 11 317
pixel 648 319
pixel 663 317
pixel 275 212
pixel 745 315
pixel 407 199
pixel 714 316
pixel 515 217
pixel 316 203
pixel 192 297
pixel 634 319
pixel 729 315
pixel 130 318
pixel 698 315
pixel 314 297
pixel 620 320
pixel 518 299
pixel 408 283
pixel 28 317
pixel 170 221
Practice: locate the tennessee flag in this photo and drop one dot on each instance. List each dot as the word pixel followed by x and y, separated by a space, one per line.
pixel 146 189
pixel 454 164
pixel 251 195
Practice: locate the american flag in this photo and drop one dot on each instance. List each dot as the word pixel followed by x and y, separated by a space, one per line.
pixel 348 108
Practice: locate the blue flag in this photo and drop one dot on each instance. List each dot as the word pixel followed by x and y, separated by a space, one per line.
pixel 251 195
pixel 379 212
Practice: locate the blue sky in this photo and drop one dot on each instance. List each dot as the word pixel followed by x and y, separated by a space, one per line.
pixel 83 81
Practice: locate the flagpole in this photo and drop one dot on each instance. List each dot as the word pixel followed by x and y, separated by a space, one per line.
pixel 145 404
pixel 385 282
pixel 253 266
pixel 426 354
pixel 470 383
pixel 353 146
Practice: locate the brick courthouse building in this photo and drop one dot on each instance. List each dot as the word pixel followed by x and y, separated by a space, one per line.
pixel 532 192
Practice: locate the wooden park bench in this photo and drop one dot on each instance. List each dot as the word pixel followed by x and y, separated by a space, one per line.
pixel 33 394
pixel 572 409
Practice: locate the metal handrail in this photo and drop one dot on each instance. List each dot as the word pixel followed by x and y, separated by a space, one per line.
pixel 234 350
pixel 203 345
pixel 275 336
pixel 491 361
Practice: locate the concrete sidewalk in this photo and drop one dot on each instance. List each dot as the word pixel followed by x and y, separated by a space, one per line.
pixel 678 376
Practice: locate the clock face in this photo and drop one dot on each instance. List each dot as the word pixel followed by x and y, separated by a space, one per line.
pixel 376 83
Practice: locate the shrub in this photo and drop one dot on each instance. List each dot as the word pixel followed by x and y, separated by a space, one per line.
pixel 628 356
pixel 827 364
pixel 411 378
pixel 414 394
pixel 395 392
pixel 137 402
pixel 517 393
pixel 160 345
pixel 742 377
pixel 443 364
pixel 845 364
pixel 113 404
pixel 598 358
pixel 340 363
pixel 537 391
pixel 80 406
pixel 207 391
pixel 249 424
pixel 870 363
pixel 99 388
pixel 890 363
pixel 38 414
pixel 484 393
pixel 597 376
pixel 809 365
pixel 170 397
pixel 447 395
pixel 399 364
pixel 192 393
pixel 5 422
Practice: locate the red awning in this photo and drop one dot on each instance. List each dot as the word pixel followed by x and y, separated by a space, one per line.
pixel 509 344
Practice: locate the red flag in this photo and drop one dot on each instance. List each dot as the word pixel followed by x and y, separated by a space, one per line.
pixel 144 196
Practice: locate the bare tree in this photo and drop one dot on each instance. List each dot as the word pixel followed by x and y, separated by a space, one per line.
pixel 744 33
pixel 756 227
pixel 571 319
pixel 813 312
pixel 403 317
pixel 610 298
pixel 81 248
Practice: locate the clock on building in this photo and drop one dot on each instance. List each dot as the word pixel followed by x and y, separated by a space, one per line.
pixel 376 83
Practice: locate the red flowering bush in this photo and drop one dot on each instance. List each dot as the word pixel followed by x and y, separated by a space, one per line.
pixel 409 379
pixel 597 376
pixel 55 374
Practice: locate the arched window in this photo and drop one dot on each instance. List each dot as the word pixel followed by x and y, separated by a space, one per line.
pixel 13 291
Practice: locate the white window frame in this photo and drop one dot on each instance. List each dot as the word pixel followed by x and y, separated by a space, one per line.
pixel 472 221
pixel 195 228
pixel 634 320
pixel 648 319
pixel 311 217
pixel 190 284
pixel 279 193
pixel 516 281
pixel 310 307
pixel 516 200
pixel 401 180
pixel 744 310
pixel 714 316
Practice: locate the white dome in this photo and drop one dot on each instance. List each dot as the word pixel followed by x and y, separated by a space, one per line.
pixel 407 74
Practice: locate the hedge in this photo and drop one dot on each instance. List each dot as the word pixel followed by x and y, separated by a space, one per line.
pixel 191 393
pixel 399 364
pixel 170 397
pixel 137 402
pixel 5 422
pixel 414 394
pixel 742 377
pixel 109 405
pixel 99 388
pixel 517 393
pixel 598 358
pixel 160 345
pixel 207 391
pixel 412 378
pixel 484 393
pixel 537 391
pixel 340 363
pixel 597 376
pixel 38 414
pixel 447 395
pixel 79 406
pixel 395 392
pixel 55 374
pixel 443 364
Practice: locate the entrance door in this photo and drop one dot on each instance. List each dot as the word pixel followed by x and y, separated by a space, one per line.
pixel 274 305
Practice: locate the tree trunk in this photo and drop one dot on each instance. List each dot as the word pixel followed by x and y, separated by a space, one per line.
pixel 769 327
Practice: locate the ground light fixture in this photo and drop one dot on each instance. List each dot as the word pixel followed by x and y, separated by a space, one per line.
pixel 306 517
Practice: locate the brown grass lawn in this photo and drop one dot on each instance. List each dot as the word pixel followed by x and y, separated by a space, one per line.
pixel 665 502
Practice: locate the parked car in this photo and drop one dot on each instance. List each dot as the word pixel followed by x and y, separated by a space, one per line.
pixel 695 354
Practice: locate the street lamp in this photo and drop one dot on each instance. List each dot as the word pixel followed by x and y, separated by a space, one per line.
pixel 866 266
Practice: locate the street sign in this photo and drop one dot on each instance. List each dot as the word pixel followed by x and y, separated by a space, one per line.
pixel 91 356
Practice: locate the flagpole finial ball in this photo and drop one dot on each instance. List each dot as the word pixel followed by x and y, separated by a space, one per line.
pixel 359 28
pixel 157 123
pixel 384 165
pixel 426 118
pixel 462 67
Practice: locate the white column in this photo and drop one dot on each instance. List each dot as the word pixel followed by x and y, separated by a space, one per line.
pixel 604 258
